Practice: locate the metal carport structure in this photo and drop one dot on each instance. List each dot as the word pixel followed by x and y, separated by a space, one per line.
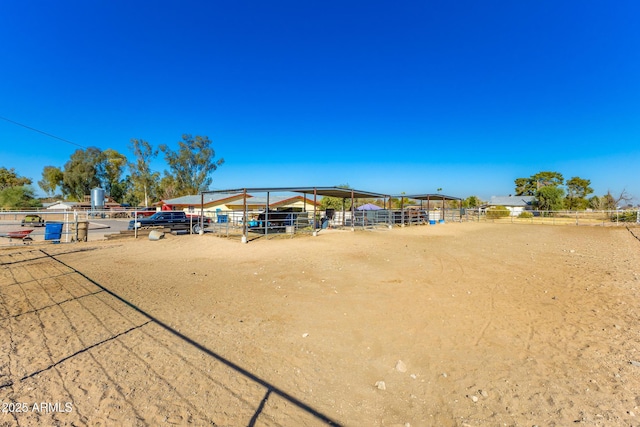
pixel 429 198
pixel 338 192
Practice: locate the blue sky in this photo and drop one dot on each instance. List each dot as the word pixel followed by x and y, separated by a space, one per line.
pixel 384 96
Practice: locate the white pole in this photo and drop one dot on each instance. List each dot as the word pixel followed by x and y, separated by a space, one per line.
pixel 75 219
pixel 66 222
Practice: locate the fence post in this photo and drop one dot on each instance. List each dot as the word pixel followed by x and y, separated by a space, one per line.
pixel 66 223
pixel 75 218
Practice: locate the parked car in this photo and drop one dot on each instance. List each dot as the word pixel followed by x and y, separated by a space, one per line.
pixel 174 220
pixel 32 221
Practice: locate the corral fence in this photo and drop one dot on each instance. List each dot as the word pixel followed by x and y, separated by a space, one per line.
pixel 231 223
pixel 561 217
pixel 18 227
pixel 393 217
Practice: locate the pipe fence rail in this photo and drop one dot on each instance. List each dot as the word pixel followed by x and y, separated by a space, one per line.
pixel 560 217
pixel 18 227
pixel 46 226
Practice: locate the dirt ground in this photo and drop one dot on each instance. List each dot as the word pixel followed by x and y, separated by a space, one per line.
pixel 448 325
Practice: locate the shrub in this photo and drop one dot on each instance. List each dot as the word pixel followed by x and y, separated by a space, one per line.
pixel 624 216
pixel 498 212
pixel 525 214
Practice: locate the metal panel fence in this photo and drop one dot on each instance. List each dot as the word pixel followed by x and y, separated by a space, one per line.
pixel 563 217
pixel 20 227
pixel 231 223
pixel 60 226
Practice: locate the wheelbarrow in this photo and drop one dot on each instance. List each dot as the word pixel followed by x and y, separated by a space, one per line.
pixel 20 234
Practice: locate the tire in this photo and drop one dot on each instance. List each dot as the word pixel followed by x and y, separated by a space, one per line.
pixel 196 229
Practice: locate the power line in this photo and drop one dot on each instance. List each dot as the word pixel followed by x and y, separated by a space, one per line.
pixel 42 132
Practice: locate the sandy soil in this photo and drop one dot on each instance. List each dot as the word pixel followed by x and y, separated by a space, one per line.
pixel 465 324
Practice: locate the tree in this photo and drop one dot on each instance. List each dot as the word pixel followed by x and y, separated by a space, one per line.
pixel 545 179
pixel 529 186
pixel 18 197
pixel 10 178
pixel 577 191
pixel 595 203
pixel 192 165
pixel 337 203
pixel 611 202
pixel 471 202
pixel 52 178
pixel 396 203
pixel 112 168
pixel 82 173
pixel 608 202
pixel 168 188
pixel 525 187
pixel 550 198
pixel 120 189
pixel 144 180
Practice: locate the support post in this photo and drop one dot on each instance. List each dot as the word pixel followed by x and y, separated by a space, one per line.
pixel 315 225
pixel 266 218
pixel 244 219
pixel 353 213
pixel 201 214
pixel 75 220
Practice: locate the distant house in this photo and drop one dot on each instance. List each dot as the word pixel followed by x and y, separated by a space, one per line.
pixel 62 206
pixel 233 204
pixel 295 203
pixel 212 202
pixel 515 204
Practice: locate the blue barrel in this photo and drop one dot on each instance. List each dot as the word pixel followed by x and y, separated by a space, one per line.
pixel 432 222
pixel 53 231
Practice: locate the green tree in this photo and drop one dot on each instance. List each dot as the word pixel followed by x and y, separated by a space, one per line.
pixel 168 187
pixel 52 178
pixel 525 187
pixel 550 198
pixel 609 203
pixel 112 169
pixel 595 203
pixel 18 197
pixel 530 186
pixel 143 178
pixel 192 165
pixel 471 202
pixel 337 203
pixel 82 173
pixel 546 179
pixel 120 189
pixel 10 178
pixel 577 191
